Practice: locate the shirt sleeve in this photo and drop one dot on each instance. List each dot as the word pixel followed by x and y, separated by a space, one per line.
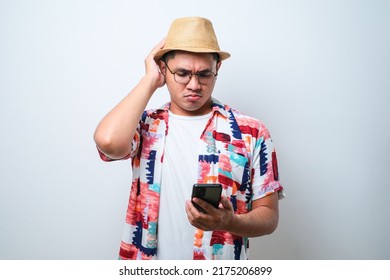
pixel 265 173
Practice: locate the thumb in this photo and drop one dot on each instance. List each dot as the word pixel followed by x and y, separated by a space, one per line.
pixel 226 203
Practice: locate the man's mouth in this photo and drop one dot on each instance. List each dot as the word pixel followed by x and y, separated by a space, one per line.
pixel 193 96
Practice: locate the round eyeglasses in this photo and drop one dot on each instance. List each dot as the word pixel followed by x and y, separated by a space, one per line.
pixel 182 76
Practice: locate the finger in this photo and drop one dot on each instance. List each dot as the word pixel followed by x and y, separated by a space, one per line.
pixel 189 209
pixel 193 215
pixel 226 203
pixel 203 204
pixel 159 46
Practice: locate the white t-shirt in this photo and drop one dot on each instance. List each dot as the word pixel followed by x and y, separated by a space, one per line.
pixel 175 235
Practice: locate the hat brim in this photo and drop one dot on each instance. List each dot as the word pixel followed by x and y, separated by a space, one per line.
pixel 222 55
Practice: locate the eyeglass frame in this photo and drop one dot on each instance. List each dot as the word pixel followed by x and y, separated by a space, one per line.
pixel 190 74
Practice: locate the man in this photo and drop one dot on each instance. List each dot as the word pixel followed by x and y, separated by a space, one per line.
pixel 192 139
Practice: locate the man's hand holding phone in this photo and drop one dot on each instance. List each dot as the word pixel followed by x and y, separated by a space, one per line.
pixel 211 193
pixel 207 210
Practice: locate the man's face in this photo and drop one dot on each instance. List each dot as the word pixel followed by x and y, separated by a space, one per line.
pixel 192 98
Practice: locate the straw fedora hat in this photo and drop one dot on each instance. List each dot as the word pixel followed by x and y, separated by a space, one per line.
pixel 192 34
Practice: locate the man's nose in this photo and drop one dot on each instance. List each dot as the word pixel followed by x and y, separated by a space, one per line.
pixel 194 82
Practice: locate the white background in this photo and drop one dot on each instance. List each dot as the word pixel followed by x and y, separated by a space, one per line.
pixel 316 72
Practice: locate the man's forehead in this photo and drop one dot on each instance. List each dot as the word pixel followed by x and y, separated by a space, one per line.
pixel 188 59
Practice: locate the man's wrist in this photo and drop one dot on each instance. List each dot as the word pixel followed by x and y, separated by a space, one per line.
pixel 229 224
pixel 149 85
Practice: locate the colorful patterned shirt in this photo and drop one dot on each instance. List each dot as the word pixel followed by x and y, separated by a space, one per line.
pixel 235 151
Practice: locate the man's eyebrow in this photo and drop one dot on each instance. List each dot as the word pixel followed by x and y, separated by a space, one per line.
pixel 186 70
pixel 182 69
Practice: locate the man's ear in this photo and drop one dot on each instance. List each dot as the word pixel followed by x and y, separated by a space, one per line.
pixel 162 67
pixel 219 65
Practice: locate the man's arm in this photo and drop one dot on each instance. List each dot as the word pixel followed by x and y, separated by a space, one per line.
pixel 261 220
pixel 115 131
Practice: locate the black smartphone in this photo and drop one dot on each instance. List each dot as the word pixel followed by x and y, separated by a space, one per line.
pixel 210 193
